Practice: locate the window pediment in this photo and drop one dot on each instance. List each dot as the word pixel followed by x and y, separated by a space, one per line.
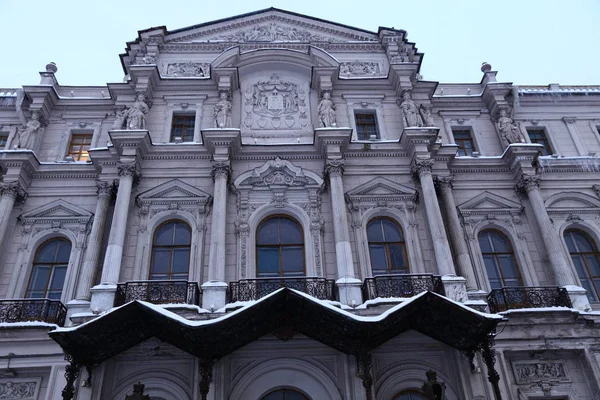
pixel 381 190
pixel 569 203
pixel 174 192
pixel 490 205
pixel 58 211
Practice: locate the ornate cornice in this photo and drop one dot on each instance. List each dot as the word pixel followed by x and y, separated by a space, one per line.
pixel 335 167
pixel 527 182
pixel 220 169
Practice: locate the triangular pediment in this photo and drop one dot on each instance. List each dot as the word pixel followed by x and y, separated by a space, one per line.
pixel 56 210
pixel 268 26
pixel 487 202
pixel 379 188
pixel 173 191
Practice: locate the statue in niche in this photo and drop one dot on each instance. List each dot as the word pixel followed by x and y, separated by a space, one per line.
pixel 509 131
pixel 410 112
pixel 327 111
pixel 222 113
pixel 136 114
pixel 26 135
pixel 425 111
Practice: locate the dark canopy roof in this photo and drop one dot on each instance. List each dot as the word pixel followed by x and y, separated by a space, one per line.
pixel 431 314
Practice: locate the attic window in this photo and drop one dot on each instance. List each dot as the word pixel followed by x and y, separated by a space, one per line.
pixel 182 127
pixel 366 125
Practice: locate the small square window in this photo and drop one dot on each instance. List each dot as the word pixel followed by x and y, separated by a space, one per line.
pixel 182 127
pixel 366 125
pixel 3 140
pixel 79 146
pixel 539 136
pixel 464 140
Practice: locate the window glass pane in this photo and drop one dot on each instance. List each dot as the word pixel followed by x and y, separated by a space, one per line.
pixel 183 235
pixel 47 252
pixel 39 278
pixel 374 231
pixel 397 258
pixel 160 260
pixel 268 232
pixel 292 260
pixel 58 279
pixel 499 243
pixel 181 258
pixel 582 243
pixel 378 258
pixel 593 264
pixel 587 285
pixel 569 241
pixel 64 251
pixel 391 231
pixel 491 267
pixel 508 265
pixel 290 231
pixel 267 261
pixel 579 265
pixel 484 242
pixel 164 235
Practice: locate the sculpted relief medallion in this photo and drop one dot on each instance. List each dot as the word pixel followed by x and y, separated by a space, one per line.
pixel 275 104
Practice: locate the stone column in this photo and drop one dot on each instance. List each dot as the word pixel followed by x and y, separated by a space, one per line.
pixel 214 291
pixel 103 294
pixel 348 285
pixel 9 192
pixel 530 184
pixel 441 247
pixel 90 260
pixel 457 236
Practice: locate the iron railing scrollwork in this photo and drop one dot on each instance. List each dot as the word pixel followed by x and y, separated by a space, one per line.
pixel 254 289
pixel 510 298
pixel 158 292
pixel 401 285
pixel 22 310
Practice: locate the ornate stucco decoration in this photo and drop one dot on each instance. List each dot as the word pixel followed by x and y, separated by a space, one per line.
pixel 360 69
pixel 573 207
pixel 282 186
pixel 540 371
pixel 380 192
pixel 187 70
pixel 490 206
pixel 274 32
pixel 56 215
pixel 20 388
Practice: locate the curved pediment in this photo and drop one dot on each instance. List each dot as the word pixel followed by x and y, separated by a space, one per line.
pixel 572 202
pixel 278 172
pixel 490 203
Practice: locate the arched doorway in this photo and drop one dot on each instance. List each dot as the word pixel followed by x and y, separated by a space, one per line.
pixel 285 394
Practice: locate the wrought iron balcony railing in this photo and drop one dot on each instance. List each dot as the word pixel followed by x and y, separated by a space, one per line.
pixel 511 298
pixel 22 310
pixel 158 292
pixel 254 289
pixel 401 285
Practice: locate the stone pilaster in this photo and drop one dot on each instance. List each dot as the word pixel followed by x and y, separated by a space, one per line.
pixel 457 236
pixel 10 192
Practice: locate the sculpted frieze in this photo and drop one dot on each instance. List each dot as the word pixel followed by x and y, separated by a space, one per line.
pixel 19 389
pixel 360 69
pixel 187 69
pixel 528 372
pixel 274 32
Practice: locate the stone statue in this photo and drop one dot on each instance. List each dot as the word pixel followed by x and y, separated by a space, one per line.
pixel 327 111
pixel 222 112
pixel 410 112
pixel 136 114
pixel 509 131
pixel 121 116
pixel 425 111
pixel 26 135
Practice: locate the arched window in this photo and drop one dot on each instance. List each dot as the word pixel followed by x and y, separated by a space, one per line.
pixel 585 256
pixel 171 251
pixel 499 259
pixel 410 395
pixel 49 269
pixel 386 247
pixel 285 394
pixel 279 248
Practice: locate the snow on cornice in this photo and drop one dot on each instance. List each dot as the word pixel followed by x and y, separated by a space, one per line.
pixel 557 89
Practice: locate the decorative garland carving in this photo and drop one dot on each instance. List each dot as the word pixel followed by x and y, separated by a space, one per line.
pixel 188 69
pixel 360 69
pixel 528 372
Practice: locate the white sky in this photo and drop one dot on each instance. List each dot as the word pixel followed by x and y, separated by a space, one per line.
pixel 530 42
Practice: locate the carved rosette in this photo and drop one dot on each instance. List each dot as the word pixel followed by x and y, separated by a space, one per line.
pixel 12 190
pixel 335 167
pixel 421 167
pixel 527 183
pixel 130 170
pixel 220 169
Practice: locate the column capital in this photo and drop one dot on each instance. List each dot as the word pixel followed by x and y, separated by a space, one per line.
pixel 596 189
pixel 104 188
pixel 527 183
pixel 220 168
pixel 335 167
pixel 421 167
pixel 131 169
pixel 444 182
pixel 13 190
pixel 569 120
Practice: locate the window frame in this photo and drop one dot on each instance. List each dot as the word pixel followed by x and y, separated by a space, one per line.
pixel 386 245
pixel 4 134
pixel 171 247
pixel 70 146
pixel 549 148
pixel 471 139
pixel 284 389
pixel 590 278
pixel 53 265
pixel 279 246
pixel 183 114
pixel 365 112
pixel 498 265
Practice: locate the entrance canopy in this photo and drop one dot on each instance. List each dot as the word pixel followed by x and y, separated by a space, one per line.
pixel 283 313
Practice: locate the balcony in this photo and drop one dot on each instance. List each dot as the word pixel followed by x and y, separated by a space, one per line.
pixel 402 285
pixel 512 298
pixel 254 289
pixel 158 292
pixel 26 310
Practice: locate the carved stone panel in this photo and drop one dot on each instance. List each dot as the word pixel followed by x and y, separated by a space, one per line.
pixel 187 70
pixel 19 388
pixel 361 69
pixel 536 371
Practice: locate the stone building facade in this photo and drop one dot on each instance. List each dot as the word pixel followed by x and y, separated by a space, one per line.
pixel 274 206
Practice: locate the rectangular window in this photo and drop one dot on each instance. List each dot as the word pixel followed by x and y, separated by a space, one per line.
pixel 539 136
pixel 79 146
pixel 183 127
pixel 3 140
pixel 366 125
pixel 464 140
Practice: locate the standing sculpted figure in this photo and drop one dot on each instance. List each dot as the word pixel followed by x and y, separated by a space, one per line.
pixel 508 130
pixel 27 134
pixel 410 112
pixel 426 115
pixel 136 114
pixel 327 111
pixel 222 112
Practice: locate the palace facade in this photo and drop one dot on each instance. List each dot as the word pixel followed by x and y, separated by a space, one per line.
pixel 274 206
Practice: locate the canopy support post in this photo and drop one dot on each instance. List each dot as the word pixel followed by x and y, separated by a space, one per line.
pixel 205 366
pixel 364 361
pixel 489 357
pixel 71 374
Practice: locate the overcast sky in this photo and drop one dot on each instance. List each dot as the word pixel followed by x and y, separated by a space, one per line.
pixel 530 42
